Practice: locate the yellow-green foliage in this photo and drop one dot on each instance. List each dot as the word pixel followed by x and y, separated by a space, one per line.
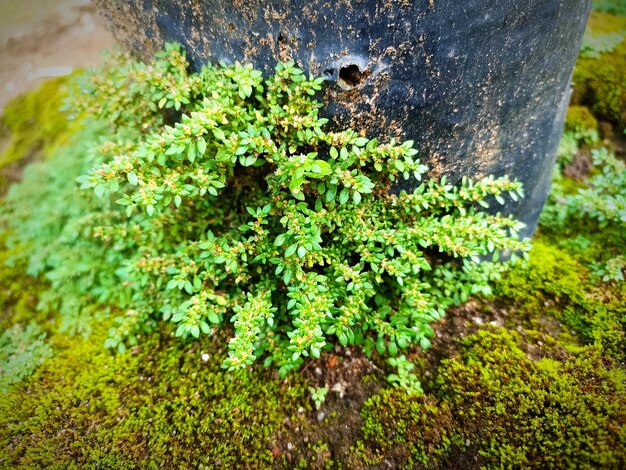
pixel 554 283
pixel 408 429
pixel 518 412
pixel 18 291
pixel 22 349
pixel 600 82
pixel 158 406
pixel 498 408
pixel 36 122
pixel 32 126
pixel 581 123
pixel 579 118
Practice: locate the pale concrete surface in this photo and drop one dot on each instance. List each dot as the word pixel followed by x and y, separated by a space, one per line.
pixel 40 39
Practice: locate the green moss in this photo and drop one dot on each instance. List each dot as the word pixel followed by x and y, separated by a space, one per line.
pixel 159 406
pixel 35 121
pixel 581 123
pixel 19 292
pixel 407 429
pixel 33 124
pixel 507 400
pixel 518 412
pixel 580 118
pixel 556 284
pixel 600 82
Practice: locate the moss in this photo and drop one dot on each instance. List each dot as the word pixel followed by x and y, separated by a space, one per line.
pixel 35 121
pixel 581 123
pixel 516 412
pixel 161 406
pixel 600 82
pixel 606 22
pixel 33 124
pixel 507 400
pixel 406 430
pixel 19 292
pixel 556 284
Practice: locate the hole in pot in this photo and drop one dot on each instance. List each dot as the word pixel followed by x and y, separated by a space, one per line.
pixel 231 27
pixel 281 37
pixel 349 76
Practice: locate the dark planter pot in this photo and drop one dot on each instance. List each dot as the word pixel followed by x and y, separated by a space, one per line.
pixel 481 86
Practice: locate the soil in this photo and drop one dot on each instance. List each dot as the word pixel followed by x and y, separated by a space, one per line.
pixel 44 39
pixel 581 167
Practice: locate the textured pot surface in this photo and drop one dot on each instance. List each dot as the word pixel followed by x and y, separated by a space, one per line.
pixel 481 86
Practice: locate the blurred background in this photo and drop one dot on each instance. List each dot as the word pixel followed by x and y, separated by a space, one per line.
pixel 41 39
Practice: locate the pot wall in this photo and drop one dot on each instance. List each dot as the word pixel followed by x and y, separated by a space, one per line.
pixel 481 86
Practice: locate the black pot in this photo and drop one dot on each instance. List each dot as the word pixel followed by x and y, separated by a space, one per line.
pixel 481 86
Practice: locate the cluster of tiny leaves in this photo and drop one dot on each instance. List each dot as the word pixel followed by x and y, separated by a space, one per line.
pixel 593 45
pixel 243 209
pixel 602 200
pixel 22 349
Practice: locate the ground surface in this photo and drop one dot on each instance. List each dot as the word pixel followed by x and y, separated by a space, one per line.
pixel 43 39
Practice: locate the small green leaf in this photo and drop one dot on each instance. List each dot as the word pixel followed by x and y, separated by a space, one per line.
pixel 219 134
pixel 344 195
pixel 201 145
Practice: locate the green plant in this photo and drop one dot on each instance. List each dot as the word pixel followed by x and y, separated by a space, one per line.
pixel 611 270
pixel 235 205
pixel 566 151
pixel 318 395
pixel 599 201
pixel 604 198
pixel 22 349
pixel 595 44
pixel 616 7
pixel 51 231
pixel 404 377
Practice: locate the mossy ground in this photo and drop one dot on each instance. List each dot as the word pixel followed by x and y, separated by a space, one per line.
pixel 161 405
pixel 33 125
pixel 600 82
pixel 530 377
pixel 505 400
